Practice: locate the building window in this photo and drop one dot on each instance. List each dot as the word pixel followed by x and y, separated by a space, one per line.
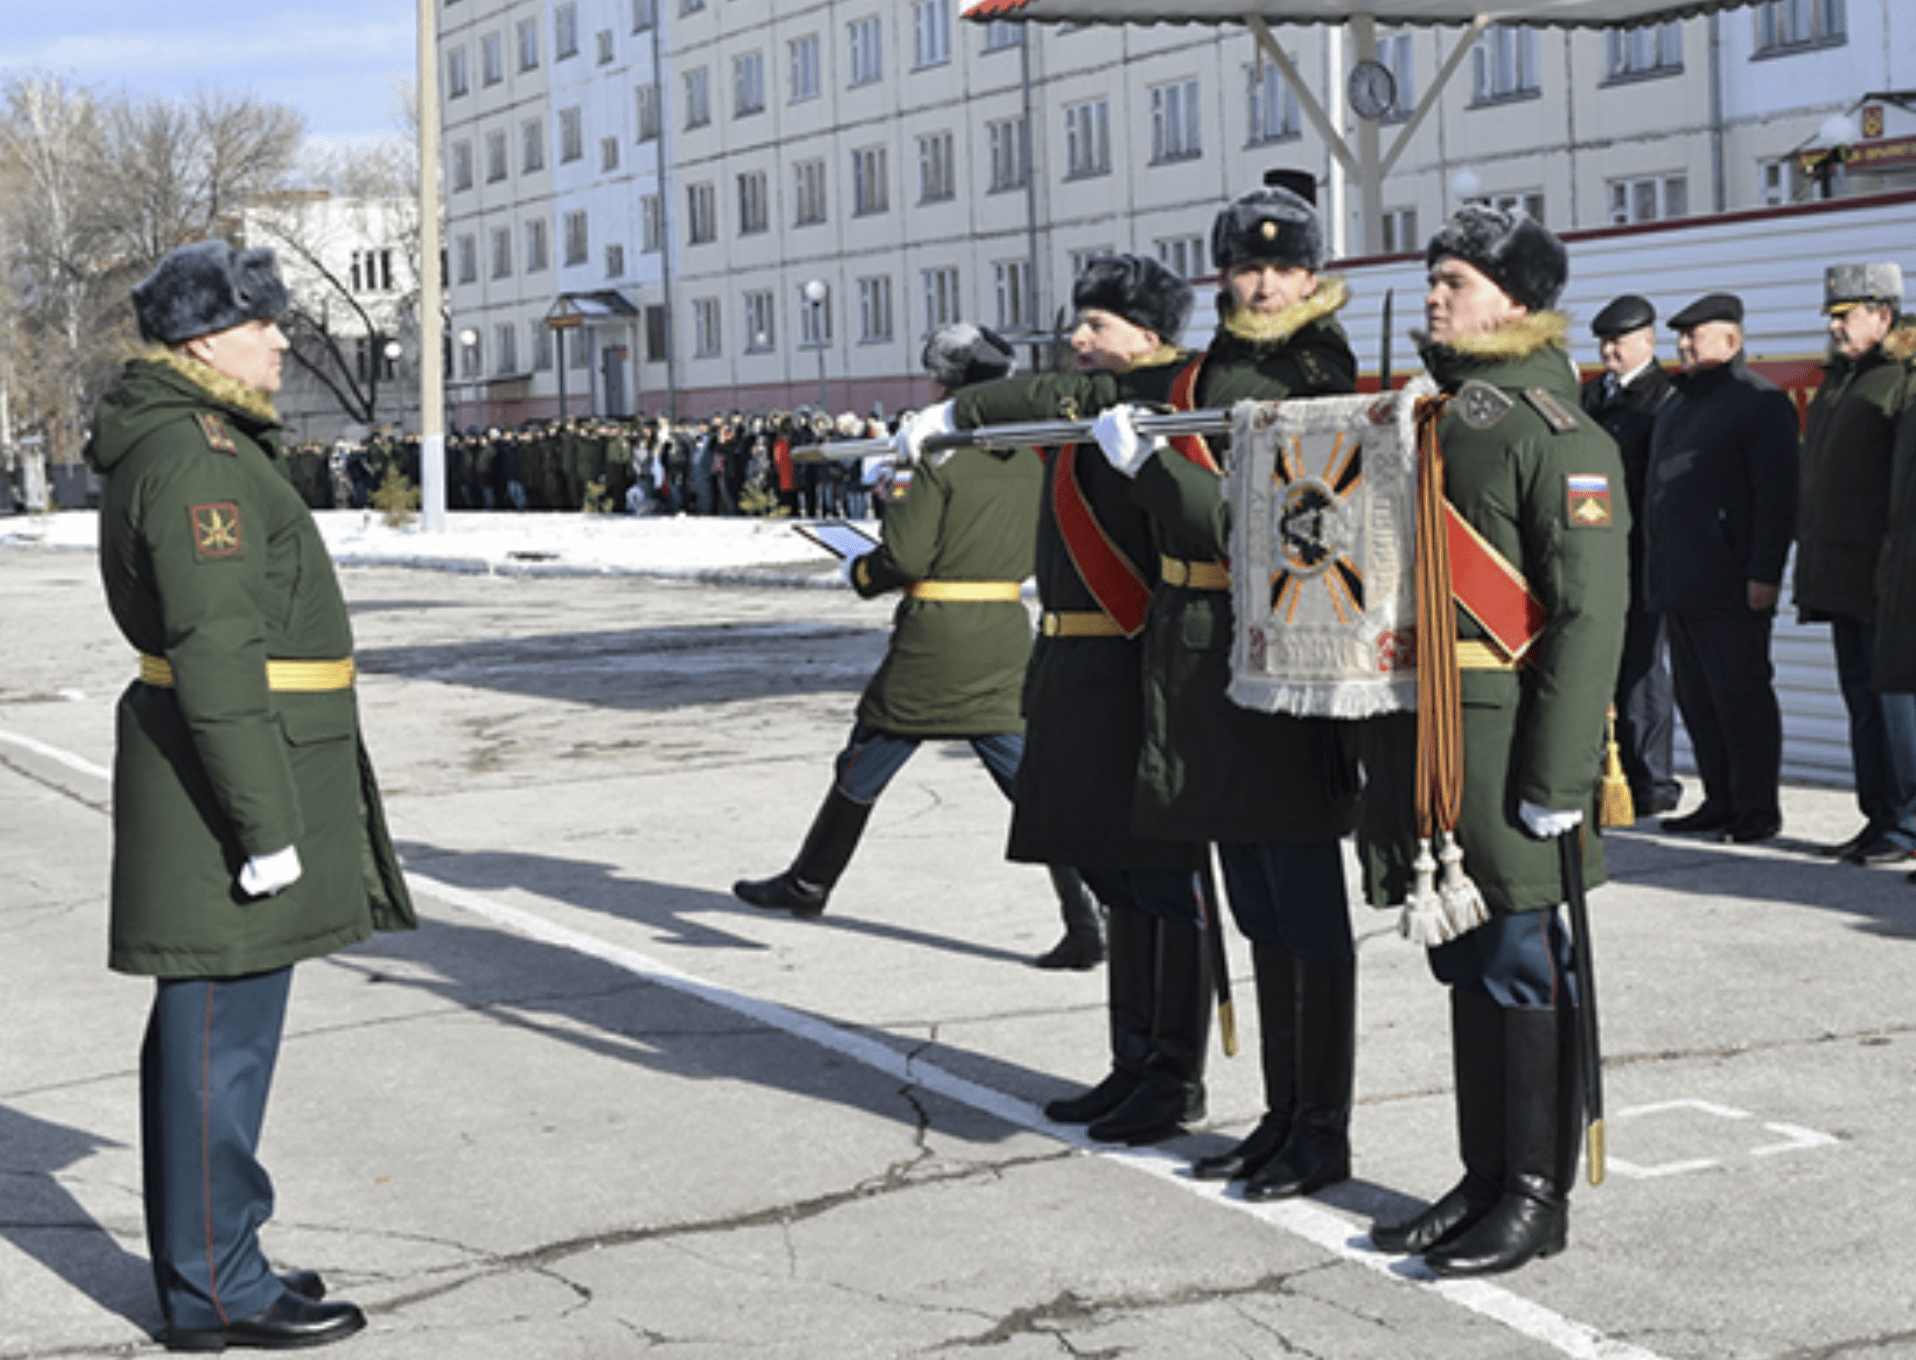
pixel 1002 33
pixel 505 341
pixel 1087 138
pixel 705 328
pixel 1400 231
pixel 538 254
pixel 372 271
pixel 1649 198
pixel 492 59
pixel 502 252
pixel 608 153
pixel 1635 53
pixel 1785 24
pixel 647 97
pixel 1779 182
pixel 754 211
pixel 939 288
pixel 542 348
pixel 805 68
pixel 578 347
pixel 461 165
pixel 651 224
pixel 1174 122
pixel 698 98
pixel 815 320
pixel 528 32
pixel 1182 255
pixel 532 145
pixel 931 32
pixel 691 6
pixel 471 363
pixel 645 13
pixel 867 56
pixel 748 84
pixel 565 32
pixel 1397 53
pixel 1013 284
pixel 468 259
pixel 571 134
pixel 808 192
pixel 457 81
pixel 1275 113
pixel 701 214
pixel 496 166
pixel 874 309
pixel 658 336
pixel 1505 65
pixel 577 239
pixel 760 332
pixel 367 364
pixel 1080 260
pixel 1530 202
pixel 937 171
pixel 869 192
pixel 615 262
pixel 1010 163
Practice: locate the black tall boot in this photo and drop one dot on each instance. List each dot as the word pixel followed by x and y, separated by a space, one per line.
pixel 1082 947
pixel 1319 1151
pixel 803 889
pixel 1171 1091
pixel 1476 1055
pixel 1130 985
pixel 1274 970
pixel 1531 1218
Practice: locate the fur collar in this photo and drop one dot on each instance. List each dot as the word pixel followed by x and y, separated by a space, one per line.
pixel 1519 340
pixel 1325 300
pixel 246 400
pixel 1157 358
pixel 1900 343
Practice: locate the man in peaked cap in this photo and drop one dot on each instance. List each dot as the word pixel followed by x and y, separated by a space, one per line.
pixel 1624 399
pixel 1842 520
pixel 239 777
pixel 1719 513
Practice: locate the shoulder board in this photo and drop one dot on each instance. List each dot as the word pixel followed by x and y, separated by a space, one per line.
pixel 1555 414
pixel 218 438
pixel 1481 405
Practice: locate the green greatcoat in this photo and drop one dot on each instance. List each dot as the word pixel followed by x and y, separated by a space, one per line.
pixel 1209 769
pixel 1083 696
pixel 212 562
pixel 1533 734
pixel 954 667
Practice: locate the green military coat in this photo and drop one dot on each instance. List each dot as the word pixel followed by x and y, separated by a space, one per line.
pixel 1083 696
pixel 954 667
pixel 1544 486
pixel 1210 769
pixel 211 562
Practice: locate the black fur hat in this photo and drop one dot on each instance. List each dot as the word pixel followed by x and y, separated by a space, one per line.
pixel 1272 225
pixel 1514 249
pixel 207 287
pixel 961 354
pixel 1139 289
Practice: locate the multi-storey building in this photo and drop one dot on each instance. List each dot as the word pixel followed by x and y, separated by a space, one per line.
pixel 729 204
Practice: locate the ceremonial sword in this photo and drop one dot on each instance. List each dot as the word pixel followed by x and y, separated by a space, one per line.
pixel 1570 846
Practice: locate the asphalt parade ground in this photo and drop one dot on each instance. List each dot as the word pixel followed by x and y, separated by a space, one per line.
pixel 596 1107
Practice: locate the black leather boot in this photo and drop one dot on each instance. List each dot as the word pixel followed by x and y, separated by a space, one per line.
pixel 1171 1089
pixel 804 888
pixel 1130 982
pixel 1319 1151
pixel 1082 947
pixel 1275 975
pixel 1476 1056
pixel 1531 1218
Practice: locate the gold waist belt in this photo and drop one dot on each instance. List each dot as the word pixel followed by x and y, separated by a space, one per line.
pixel 1080 623
pixel 1474 654
pixel 287 675
pixel 964 590
pixel 1195 575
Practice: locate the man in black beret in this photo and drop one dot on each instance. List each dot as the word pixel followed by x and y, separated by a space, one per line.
pixel 1624 399
pixel 1719 514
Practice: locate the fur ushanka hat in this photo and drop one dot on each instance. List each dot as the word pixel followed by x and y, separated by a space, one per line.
pixel 1513 248
pixel 207 287
pixel 961 354
pixel 1139 289
pixel 1272 225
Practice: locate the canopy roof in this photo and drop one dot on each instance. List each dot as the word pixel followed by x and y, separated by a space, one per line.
pixel 1551 13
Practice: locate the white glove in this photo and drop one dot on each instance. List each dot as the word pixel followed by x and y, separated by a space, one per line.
pixel 1547 825
pixel 1124 448
pixel 911 436
pixel 846 566
pixel 264 875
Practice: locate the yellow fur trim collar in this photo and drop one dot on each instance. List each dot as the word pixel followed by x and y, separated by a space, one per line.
pixel 1325 300
pixel 1519 340
pixel 227 391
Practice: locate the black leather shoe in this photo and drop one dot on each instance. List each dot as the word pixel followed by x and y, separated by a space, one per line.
pixel 1879 850
pixel 783 893
pixel 1842 849
pixel 1704 819
pixel 305 1283
pixel 1750 830
pixel 1095 1103
pixel 290 1323
pixel 1074 953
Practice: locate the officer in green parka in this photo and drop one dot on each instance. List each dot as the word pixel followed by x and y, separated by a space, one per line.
pixel 1542 487
pixel 248 828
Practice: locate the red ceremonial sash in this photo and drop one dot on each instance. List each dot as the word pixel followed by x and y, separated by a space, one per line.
pixel 1492 592
pixel 1112 578
pixel 1184 398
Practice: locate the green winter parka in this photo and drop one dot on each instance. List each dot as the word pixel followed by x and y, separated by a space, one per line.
pixel 212 563
pixel 1544 485
pixel 954 667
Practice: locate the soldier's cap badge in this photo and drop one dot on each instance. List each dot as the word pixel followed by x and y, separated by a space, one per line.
pixel 1588 500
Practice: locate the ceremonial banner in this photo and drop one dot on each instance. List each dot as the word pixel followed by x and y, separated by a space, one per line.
pixel 1323 552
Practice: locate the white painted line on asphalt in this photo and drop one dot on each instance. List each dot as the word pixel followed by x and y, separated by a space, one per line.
pixel 1326 1230
pixel 66 758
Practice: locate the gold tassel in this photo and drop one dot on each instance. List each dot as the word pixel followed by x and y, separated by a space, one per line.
pixel 1614 805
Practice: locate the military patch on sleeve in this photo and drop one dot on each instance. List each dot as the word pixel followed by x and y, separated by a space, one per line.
pixel 900 484
pixel 216 529
pixel 1558 416
pixel 217 438
pixel 1482 405
pixel 1587 500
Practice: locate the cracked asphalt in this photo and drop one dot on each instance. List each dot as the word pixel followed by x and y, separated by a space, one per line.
pixel 598 1108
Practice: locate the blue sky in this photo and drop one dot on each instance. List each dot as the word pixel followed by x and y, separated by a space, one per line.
pixel 339 62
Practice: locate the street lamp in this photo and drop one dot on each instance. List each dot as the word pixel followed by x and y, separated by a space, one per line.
pixel 468 338
pixel 815 293
pixel 1836 134
pixel 1465 186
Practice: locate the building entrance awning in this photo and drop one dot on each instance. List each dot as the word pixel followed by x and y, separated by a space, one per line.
pixel 571 310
